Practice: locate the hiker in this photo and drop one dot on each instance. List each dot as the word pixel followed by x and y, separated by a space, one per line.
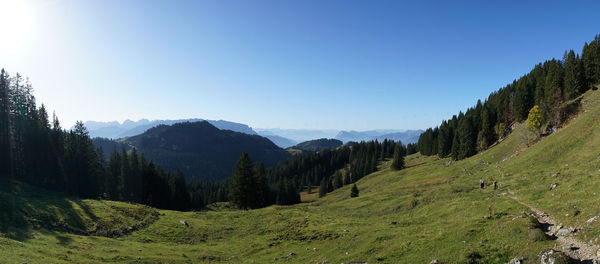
pixel 482 184
pixel 495 185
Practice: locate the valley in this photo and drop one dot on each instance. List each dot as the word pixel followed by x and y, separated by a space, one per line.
pixel 433 209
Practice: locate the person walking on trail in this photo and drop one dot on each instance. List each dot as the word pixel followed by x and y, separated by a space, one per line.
pixel 495 185
pixel 482 184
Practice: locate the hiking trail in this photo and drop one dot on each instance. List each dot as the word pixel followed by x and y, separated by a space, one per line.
pixel 566 242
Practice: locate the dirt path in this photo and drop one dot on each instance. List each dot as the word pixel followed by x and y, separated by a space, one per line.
pixel 566 242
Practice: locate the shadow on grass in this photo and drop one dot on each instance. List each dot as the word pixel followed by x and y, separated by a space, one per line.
pixel 24 208
pixel 63 240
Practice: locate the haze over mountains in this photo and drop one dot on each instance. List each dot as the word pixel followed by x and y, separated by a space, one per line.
pixel 114 129
pixel 283 138
pixel 406 136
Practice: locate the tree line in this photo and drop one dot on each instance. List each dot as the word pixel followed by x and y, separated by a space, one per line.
pixel 252 186
pixel 550 86
pixel 37 150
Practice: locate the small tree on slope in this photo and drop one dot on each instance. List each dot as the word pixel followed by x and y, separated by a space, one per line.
pixel 398 162
pixel 534 119
pixel 354 191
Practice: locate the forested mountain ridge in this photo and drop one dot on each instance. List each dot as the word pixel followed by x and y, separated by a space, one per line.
pixel 318 144
pixel 201 151
pixel 548 94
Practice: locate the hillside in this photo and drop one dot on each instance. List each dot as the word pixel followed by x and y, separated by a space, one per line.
pixel 318 144
pixel 202 151
pixel 281 142
pixel 433 209
pixel 108 145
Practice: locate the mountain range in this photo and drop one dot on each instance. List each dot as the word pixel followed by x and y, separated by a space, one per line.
pixel 283 138
pixel 198 149
pixel 114 129
pixel 407 136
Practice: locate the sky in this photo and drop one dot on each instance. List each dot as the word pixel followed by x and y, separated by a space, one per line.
pixel 282 64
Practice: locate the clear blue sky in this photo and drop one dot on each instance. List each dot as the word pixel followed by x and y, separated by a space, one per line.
pixel 289 64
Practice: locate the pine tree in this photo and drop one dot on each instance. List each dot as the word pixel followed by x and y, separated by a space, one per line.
pixel 5 148
pixel 337 180
pixel 455 146
pixel 281 191
pixel 354 191
pixel 574 80
pixel 467 139
pixel 398 161
pixel 114 181
pixel 591 60
pixel 135 179
pixel 553 86
pixel 241 187
pixel 262 186
pixel 487 128
pixel 444 139
pixel 291 193
pixel 522 100
pixel 323 188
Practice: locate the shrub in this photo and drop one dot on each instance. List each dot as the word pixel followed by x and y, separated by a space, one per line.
pixel 537 235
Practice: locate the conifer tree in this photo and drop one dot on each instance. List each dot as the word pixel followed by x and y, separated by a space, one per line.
pixel 591 60
pixel 398 161
pixel 337 180
pixel 354 191
pixel 5 149
pixel 135 180
pixel 487 128
pixel 323 188
pixel 466 138
pixel 574 80
pixel 241 187
pixel 114 181
pixel 262 186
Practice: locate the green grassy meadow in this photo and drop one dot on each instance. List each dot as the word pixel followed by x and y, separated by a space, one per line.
pixel 433 209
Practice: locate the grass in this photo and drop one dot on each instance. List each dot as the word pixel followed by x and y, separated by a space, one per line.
pixel 433 209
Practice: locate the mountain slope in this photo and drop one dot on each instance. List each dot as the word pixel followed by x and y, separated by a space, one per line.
pixel 318 144
pixel 433 209
pixel 202 151
pixel 281 142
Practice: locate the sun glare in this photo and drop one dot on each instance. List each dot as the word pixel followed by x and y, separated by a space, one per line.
pixel 16 17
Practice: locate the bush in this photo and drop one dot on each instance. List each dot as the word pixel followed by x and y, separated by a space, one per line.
pixel 537 235
pixel 472 257
pixel 534 223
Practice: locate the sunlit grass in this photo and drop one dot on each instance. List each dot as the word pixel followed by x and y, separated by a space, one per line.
pixel 433 209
